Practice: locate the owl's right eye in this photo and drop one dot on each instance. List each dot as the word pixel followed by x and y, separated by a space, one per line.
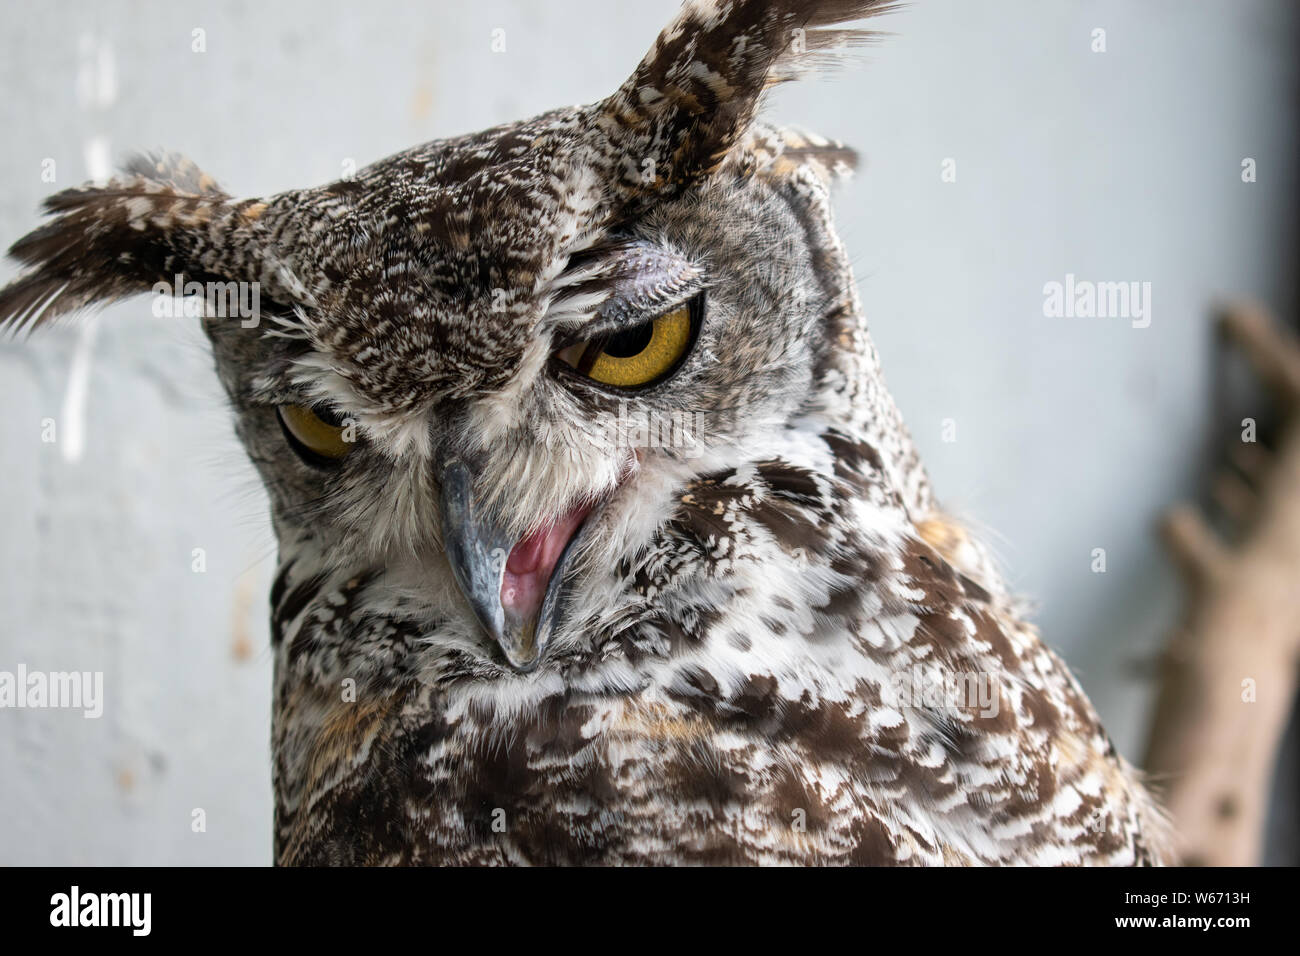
pixel 638 356
pixel 317 435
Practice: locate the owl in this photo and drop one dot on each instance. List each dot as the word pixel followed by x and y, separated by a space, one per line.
pixel 601 540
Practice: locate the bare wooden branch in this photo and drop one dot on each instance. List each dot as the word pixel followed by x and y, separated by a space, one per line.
pixel 1228 675
pixel 1270 348
pixel 1251 459
pixel 1234 496
pixel 1194 547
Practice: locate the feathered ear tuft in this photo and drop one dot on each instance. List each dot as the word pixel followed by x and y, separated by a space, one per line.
pixel 698 89
pixel 164 217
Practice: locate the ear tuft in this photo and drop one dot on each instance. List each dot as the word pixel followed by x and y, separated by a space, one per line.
pixel 112 241
pixel 698 89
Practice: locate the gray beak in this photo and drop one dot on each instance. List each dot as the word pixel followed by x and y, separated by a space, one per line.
pixel 477 550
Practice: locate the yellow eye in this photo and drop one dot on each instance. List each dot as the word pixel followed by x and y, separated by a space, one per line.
pixel 636 356
pixel 316 433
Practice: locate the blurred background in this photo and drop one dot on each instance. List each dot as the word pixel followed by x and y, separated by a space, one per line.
pixel 1112 156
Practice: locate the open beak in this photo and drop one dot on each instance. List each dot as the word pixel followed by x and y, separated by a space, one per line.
pixel 512 585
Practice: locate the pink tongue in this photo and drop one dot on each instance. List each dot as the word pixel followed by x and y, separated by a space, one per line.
pixel 531 562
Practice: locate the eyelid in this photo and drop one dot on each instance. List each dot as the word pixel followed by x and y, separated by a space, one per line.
pixel 621 282
pixel 609 322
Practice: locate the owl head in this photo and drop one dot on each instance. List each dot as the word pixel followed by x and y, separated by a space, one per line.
pixel 484 373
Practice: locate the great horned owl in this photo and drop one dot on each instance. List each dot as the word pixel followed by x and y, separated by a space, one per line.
pixel 601 539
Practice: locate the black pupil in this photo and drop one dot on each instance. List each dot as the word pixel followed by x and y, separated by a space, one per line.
pixel 328 416
pixel 629 342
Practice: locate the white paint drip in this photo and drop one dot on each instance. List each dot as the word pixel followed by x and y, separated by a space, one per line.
pixel 99 167
pixel 96 73
pixel 96 90
pixel 73 414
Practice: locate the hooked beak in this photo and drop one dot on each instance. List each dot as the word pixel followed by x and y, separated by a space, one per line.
pixel 513 586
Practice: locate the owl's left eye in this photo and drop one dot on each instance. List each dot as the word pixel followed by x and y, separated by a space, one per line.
pixel 637 356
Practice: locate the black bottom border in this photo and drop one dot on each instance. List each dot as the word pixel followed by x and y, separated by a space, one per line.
pixel 239 905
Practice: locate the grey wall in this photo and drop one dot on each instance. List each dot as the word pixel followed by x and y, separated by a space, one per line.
pixel 1071 434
